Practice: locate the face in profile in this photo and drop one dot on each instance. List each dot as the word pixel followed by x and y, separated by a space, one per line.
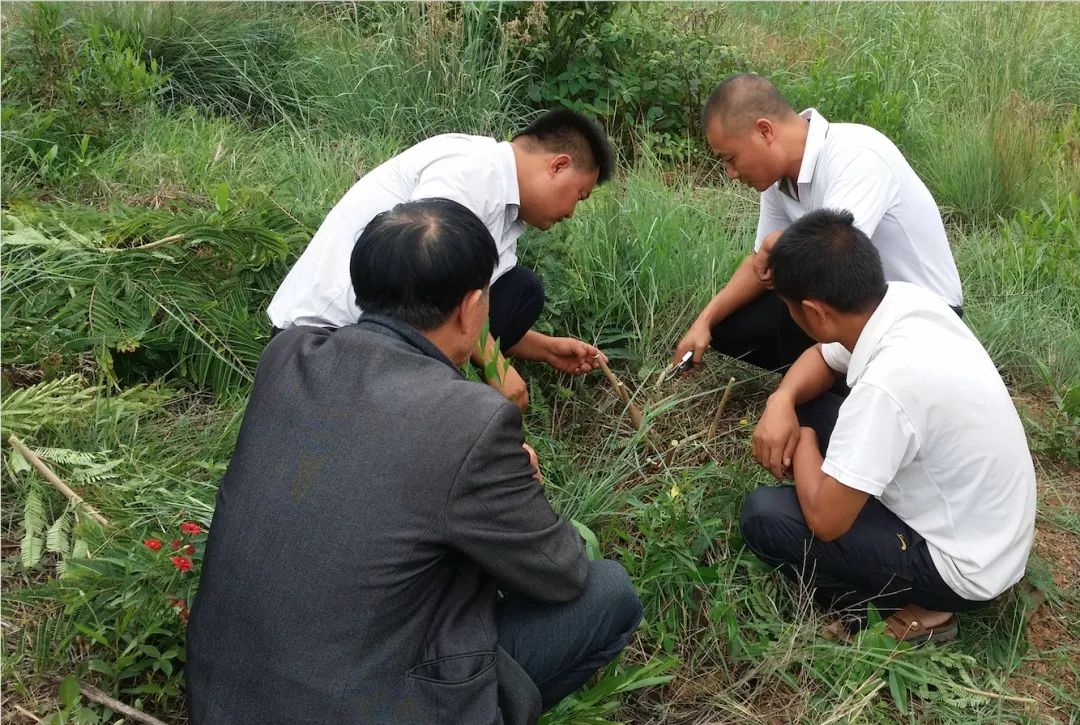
pixel 747 157
pixel 558 193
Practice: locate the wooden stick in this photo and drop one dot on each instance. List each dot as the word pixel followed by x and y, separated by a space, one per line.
pixel 720 410
pixel 55 480
pixel 27 713
pixel 92 693
pixel 149 245
pixel 635 412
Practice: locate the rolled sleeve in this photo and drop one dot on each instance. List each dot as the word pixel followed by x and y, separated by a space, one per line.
pixel 771 215
pixel 836 356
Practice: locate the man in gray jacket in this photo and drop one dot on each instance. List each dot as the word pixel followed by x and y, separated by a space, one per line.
pixel 381 550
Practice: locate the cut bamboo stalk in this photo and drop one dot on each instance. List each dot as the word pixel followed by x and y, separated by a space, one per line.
pixel 92 693
pixel 635 412
pixel 720 410
pixel 55 480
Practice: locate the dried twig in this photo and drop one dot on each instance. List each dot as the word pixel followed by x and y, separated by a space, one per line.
pixel 55 480
pixel 92 693
pixel 720 410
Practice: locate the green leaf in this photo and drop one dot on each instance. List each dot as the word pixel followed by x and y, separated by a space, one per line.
pixel 69 691
pixel 592 546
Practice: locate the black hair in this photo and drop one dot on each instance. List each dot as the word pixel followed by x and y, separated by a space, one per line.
pixel 743 98
pixel 417 261
pixel 823 256
pixel 565 131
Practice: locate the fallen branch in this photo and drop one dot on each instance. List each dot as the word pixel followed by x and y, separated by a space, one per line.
pixel 55 480
pixel 720 410
pixel 635 412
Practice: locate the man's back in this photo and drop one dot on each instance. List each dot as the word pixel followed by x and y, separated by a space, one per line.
pixel 475 171
pixel 927 398
pixel 374 500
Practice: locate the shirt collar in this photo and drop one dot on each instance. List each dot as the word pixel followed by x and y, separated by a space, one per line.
pixel 815 140
pixel 385 325
pixel 887 312
pixel 508 168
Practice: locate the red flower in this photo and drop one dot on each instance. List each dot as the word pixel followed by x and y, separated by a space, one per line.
pixel 175 544
pixel 152 544
pixel 181 563
pixel 190 528
pixel 189 549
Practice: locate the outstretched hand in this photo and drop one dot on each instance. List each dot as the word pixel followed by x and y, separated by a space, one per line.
pixel 572 356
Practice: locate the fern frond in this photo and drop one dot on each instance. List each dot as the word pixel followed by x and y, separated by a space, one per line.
pixel 51 402
pixel 58 536
pixel 33 523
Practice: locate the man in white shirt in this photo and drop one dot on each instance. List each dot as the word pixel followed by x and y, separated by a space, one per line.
pixel 801 162
pixel 917 491
pixel 537 178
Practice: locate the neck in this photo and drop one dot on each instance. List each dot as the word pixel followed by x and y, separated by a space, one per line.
pixel 448 343
pixel 524 161
pixel 852 326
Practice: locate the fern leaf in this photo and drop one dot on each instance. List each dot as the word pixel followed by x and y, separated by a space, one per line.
pixel 58 537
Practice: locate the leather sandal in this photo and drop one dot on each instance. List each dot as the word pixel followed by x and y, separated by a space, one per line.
pixel 905 626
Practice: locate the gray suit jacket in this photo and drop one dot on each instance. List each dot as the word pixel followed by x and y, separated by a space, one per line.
pixel 375 503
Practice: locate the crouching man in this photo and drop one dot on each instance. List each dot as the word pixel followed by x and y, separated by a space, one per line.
pixel 917 492
pixel 381 550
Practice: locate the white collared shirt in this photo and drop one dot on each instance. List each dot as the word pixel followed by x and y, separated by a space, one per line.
pixel 853 167
pixel 930 430
pixel 477 172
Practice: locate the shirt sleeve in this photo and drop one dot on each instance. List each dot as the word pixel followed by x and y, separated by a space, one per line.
pixel 772 216
pixel 836 356
pixel 478 186
pixel 497 516
pixel 861 182
pixel 872 440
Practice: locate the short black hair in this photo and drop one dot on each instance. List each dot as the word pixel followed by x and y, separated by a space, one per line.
pixel 417 261
pixel 741 99
pixel 823 256
pixel 565 131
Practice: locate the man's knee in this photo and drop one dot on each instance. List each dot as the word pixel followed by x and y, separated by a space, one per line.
pixel 772 524
pixel 610 585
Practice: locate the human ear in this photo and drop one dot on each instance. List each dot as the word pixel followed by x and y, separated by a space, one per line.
pixel 560 163
pixel 763 127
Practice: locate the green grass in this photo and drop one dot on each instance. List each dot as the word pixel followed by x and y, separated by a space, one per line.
pixel 262 116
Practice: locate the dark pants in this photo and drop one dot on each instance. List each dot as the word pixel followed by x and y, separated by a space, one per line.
pixel 880 559
pixel 561 645
pixel 515 304
pixel 763 334
pixel 516 301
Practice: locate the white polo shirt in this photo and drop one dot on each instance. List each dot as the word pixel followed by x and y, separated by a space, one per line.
pixel 853 167
pixel 930 430
pixel 477 172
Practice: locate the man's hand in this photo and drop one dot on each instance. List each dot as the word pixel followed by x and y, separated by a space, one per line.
pixel 762 268
pixel 572 356
pixel 512 386
pixel 696 340
pixel 776 436
pixel 534 462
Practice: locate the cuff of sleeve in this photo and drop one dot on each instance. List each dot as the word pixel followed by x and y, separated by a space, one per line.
pixel 852 480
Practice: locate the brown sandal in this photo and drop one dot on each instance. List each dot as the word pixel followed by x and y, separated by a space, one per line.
pixel 905 626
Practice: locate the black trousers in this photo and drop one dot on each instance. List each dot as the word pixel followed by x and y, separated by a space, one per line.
pixel 880 560
pixel 763 334
pixel 515 304
pixel 516 301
